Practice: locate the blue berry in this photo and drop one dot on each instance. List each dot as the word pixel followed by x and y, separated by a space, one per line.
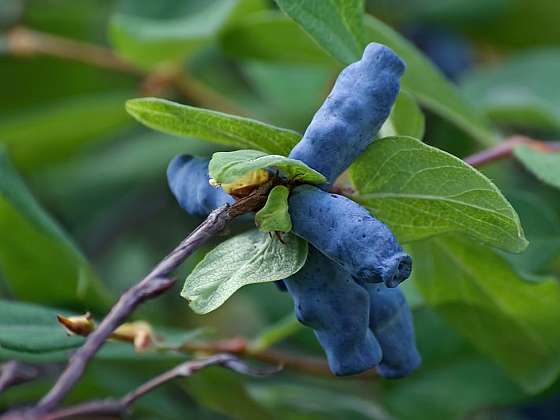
pixel 391 322
pixel 353 113
pixel 327 299
pixel 448 50
pixel 188 179
pixel 345 232
pixel 281 285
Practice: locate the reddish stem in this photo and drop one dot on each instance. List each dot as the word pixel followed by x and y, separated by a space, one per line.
pixel 505 150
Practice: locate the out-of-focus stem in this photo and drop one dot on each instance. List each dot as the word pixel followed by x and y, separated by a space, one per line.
pixel 275 333
pixel 505 150
pixel 25 42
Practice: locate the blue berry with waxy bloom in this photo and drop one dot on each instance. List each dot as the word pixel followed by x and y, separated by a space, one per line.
pixel 188 180
pixel 358 105
pixel 391 322
pixel 345 232
pixel 329 301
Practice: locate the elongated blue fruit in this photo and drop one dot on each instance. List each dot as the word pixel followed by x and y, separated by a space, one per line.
pixel 345 232
pixel 353 113
pixel 327 299
pixel 391 322
pixel 188 180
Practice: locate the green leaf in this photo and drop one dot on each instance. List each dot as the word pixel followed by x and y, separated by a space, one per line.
pixel 453 13
pixel 521 91
pixel 228 167
pixel 517 24
pixel 140 159
pixel 38 261
pixel 10 14
pixel 428 84
pixel 252 257
pixel 422 78
pixel 224 391
pixel 450 367
pixel 292 92
pixel 317 402
pixel 147 33
pixel 212 126
pixel 541 224
pixel 33 329
pixel 421 191
pixel 29 331
pixel 274 216
pixel 406 119
pixel 276 332
pixel 111 351
pixel 271 36
pixel 482 297
pixel 45 134
pixel 337 25
pixel 544 165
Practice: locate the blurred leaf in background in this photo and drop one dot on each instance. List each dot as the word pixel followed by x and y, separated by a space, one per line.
pixel 483 298
pixel 520 92
pixel 37 259
pixel 150 33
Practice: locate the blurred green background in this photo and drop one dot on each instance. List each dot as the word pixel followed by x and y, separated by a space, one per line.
pixel 98 178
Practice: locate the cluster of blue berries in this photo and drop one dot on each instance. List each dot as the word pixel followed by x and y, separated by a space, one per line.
pixel 348 290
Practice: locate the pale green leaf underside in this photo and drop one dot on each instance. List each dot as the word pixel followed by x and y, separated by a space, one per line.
pixel 252 257
pixel 274 216
pixel 482 297
pixel 216 127
pixel 228 167
pixel 545 166
pixel 421 191
pixel 336 24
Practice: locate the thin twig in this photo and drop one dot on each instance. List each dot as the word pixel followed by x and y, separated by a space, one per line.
pixel 24 42
pixel 120 407
pixel 240 346
pixel 151 286
pixel 14 373
pixel 505 150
